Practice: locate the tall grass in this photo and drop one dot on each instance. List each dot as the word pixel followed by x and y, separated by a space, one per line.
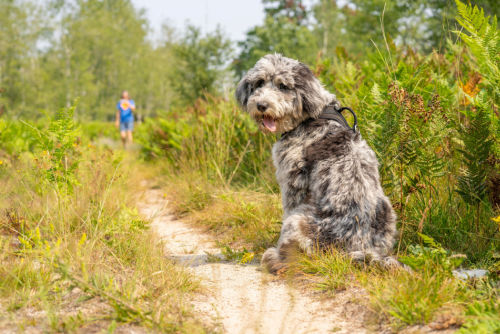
pixel 433 123
pixel 75 254
pixel 215 139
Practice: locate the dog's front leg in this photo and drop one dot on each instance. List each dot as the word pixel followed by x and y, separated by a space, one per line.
pixel 291 174
pixel 297 234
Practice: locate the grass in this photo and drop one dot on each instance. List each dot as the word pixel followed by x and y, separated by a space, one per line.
pixel 82 258
pixel 438 157
pixel 239 217
pixel 221 177
pixel 246 220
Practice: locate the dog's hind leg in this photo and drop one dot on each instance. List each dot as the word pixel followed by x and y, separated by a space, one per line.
pixel 374 258
pixel 296 235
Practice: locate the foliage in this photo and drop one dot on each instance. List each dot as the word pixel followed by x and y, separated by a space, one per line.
pixel 356 25
pixel 241 256
pixel 18 37
pixel 432 253
pixel 431 118
pixel 483 41
pixel 334 269
pixel 15 137
pixel 77 256
pixel 200 62
pixel 476 152
pixel 276 34
pixel 415 298
pixel 293 10
pixel 483 318
pixel 94 130
pixel 242 218
pixel 164 137
pixel 55 53
pixel 214 138
pixel 59 146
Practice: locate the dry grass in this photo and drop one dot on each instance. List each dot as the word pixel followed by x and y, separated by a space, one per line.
pixel 240 218
pixel 85 260
pixel 250 219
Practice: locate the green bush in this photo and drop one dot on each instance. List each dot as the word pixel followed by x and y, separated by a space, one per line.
pixel 214 138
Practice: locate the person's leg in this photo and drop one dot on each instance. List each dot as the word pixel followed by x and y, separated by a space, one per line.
pixel 123 132
pixel 130 128
pixel 123 135
pixel 129 136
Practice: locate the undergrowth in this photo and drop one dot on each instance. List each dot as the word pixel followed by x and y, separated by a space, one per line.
pixel 75 253
pixel 433 123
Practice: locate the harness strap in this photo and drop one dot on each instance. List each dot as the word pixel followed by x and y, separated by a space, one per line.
pixel 331 113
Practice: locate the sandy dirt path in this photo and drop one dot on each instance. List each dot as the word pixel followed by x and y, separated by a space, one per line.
pixel 241 298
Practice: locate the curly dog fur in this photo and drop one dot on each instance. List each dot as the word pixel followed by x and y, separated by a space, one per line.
pixel 327 173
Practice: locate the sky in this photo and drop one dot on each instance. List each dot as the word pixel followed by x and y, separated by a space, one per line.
pixel 235 17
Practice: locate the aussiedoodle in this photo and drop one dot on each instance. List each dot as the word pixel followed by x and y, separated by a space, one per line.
pixel 327 173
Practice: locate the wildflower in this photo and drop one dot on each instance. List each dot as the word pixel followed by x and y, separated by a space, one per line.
pixel 1 162
pixel 497 220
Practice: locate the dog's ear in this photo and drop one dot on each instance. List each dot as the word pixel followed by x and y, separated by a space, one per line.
pixel 243 92
pixel 312 94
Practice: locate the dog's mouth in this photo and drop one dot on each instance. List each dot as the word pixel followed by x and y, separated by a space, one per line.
pixel 269 123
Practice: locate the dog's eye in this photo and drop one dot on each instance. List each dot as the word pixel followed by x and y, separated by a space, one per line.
pixel 259 84
pixel 283 86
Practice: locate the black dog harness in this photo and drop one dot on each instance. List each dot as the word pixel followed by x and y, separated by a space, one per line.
pixel 332 113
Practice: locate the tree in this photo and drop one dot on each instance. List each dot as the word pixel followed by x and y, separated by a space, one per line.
pixel 422 25
pixel 284 30
pixel 200 62
pixel 101 49
pixel 358 24
pixel 18 36
pixel 294 10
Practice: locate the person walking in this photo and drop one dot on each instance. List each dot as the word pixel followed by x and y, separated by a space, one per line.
pixel 125 118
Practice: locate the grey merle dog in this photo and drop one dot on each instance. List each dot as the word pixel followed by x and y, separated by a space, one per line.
pixel 327 173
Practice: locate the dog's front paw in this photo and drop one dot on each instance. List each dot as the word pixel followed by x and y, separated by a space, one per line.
pixel 271 260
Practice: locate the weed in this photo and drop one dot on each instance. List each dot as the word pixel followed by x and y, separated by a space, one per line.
pixel 67 245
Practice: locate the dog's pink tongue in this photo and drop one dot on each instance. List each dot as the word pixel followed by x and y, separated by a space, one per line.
pixel 269 123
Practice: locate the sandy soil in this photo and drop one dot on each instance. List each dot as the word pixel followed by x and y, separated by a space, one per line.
pixel 242 298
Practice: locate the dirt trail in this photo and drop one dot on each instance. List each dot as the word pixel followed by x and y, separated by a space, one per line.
pixel 241 298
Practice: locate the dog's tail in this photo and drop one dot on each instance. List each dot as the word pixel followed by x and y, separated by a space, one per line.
pixel 271 260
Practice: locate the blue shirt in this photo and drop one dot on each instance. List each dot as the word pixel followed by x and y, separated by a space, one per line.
pixel 125 110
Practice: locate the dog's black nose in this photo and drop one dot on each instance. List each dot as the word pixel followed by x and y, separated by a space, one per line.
pixel 261 106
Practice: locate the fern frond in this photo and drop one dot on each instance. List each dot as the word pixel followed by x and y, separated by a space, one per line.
pixel 476 149
pixel 483 40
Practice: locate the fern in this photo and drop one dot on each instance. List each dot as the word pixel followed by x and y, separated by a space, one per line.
pixel 59 144
pixel 483 41
pixel 475 152
pixel 482 318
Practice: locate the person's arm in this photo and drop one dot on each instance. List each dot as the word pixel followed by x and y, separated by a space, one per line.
pixel 117 119
pixel 132 105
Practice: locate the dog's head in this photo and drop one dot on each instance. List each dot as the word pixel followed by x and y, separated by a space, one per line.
pixel 280 93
